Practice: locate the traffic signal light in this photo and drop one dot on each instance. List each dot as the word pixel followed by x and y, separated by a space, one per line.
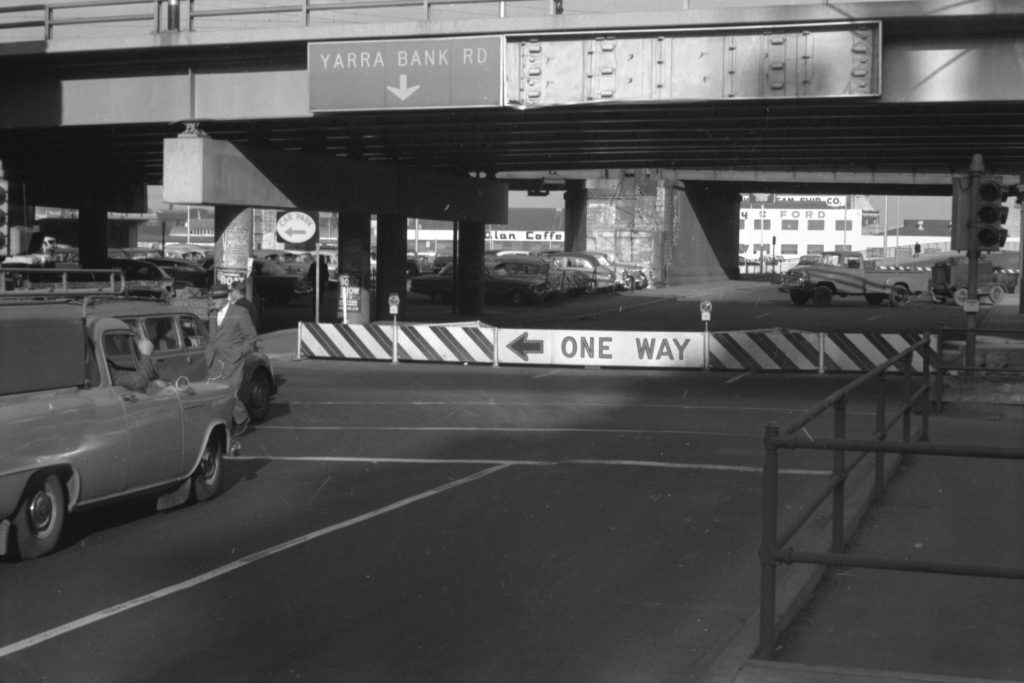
pixel 989 233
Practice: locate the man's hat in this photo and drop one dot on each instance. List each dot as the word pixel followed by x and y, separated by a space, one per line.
pixel 218 292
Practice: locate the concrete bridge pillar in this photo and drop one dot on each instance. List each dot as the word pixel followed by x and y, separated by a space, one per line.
pixel 354 262
pixel 232 234
pixel 576 215
pixel 469 291
pixel 391 277
pixel 704 234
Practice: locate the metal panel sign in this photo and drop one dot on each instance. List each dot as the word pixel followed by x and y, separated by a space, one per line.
pixel 606 349
pixel 406 74
pixel 764 62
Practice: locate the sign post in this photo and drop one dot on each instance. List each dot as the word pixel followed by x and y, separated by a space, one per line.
pixel 393 302
pixel 705 315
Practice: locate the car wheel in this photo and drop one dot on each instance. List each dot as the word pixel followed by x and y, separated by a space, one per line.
pixel 258 399
pixel 206 480
pixel 899 296
pixel 996 293
pixel 822 296
pixel 516 297
pixel 799 298
pixel 960 296
pixel 40 518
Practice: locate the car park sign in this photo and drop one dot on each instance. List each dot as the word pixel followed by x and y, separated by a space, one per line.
pixel 296 227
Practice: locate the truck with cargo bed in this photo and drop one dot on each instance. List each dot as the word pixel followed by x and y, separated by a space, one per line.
pixel 819 278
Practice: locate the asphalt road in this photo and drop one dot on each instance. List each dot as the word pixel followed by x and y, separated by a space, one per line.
pixel 748 304
pixel 423 523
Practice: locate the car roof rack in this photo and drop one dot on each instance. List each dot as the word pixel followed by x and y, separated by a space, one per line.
pixel 59 283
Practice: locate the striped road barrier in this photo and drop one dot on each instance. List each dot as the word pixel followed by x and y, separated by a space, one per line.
pixel 753 351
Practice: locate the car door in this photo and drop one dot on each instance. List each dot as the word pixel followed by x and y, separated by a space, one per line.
pixel 153 419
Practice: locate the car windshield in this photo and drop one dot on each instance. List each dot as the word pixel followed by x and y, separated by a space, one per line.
pixel 603 260
pixel 809 260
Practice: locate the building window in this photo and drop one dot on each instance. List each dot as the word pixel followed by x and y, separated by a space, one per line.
pixel 816 225
pixel 815 248
pixel 788 249
pixel 790 224
pixel 844 225
pixel 762 224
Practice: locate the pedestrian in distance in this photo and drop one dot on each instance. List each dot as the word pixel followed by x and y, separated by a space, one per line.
pixel 318 276
pixel 917 249
pixel 237 297
pixel 232 337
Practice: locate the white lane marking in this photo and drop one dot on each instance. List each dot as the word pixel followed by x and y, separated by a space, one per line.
pixel 531 463
pixel 540 430
pixel 31 641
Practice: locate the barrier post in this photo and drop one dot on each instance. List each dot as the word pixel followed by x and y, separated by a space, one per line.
pixel 393 301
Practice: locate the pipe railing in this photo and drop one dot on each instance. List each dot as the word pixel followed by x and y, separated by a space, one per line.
pixel 793 437
pixel 190 15
pixel 965 366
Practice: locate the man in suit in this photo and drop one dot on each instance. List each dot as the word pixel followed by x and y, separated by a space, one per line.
pixel 232 336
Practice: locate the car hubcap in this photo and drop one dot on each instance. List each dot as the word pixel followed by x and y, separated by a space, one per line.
pixel 41 512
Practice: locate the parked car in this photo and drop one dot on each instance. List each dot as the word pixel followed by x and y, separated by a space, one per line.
pixel 598 273
pixel 145 279
pixel 74 439
pixel 186 273
pixel 513 288
pixel 134 253
pixel 633 276
pixel 179 337
pixel 275 286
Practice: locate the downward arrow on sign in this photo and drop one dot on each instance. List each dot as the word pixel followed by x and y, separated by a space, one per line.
pixel 403 91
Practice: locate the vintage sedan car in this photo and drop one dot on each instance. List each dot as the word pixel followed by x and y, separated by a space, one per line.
pixel 186 273
pixel 275 285
pixel 74 438
pixel 179 337
pixel 510 281
pixel 144 278
pixel 597 272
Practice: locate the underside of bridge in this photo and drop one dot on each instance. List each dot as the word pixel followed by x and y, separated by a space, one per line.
pixel 951 89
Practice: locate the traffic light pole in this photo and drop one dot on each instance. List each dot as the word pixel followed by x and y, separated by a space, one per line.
pixel 975 172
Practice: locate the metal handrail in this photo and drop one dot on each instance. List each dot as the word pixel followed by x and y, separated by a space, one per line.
pixel 168 16
pixel 42 282
pixel 774 549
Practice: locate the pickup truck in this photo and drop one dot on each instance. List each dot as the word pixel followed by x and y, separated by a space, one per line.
pixel 74 438
pixel 820 277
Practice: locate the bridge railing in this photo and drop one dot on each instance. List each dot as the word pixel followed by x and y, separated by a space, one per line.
pixel 777 544
pixel 108 18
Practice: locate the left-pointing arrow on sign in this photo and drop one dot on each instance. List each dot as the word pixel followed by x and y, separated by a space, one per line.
pixel 522 347
pixel 403 91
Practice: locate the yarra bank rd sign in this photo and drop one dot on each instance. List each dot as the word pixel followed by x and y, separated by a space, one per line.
pixel 406 74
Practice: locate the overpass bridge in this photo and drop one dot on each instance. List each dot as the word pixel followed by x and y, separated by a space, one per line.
pixel 433 110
